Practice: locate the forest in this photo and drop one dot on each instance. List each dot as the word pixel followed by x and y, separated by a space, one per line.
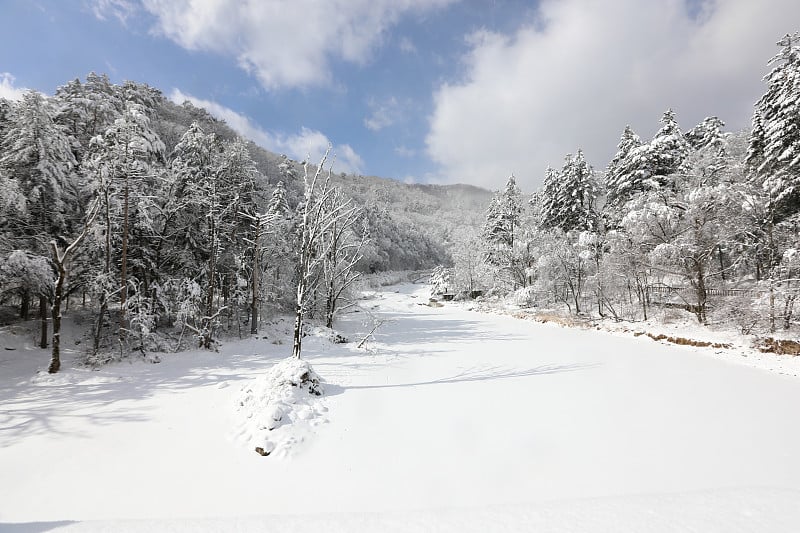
pixel 172 231
pixel 702 220
pixel 156 218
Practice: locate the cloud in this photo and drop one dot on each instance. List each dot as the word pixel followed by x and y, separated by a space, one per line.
pixel 306 143
pixel 284 44
pixel 405 151
pixel 383 114
pixel 121 10
pixel 7 88
pixel 583 69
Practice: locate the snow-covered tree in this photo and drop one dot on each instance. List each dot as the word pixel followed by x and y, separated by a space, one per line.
pixel 342 246
pixel 568 197
pixel 774 154
pixel 121 165
pixel 649 167
pixel 619 181
pixel 36 153
pixel 501 232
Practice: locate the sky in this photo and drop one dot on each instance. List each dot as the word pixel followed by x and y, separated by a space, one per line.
pixel 430 91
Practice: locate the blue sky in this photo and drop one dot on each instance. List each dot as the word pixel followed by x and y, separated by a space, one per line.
pixel 423 90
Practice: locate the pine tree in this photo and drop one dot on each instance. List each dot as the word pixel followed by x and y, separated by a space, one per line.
pixel 774 155
pixel 652 166
pixel 503 216
pixel 36 153
pixel 569 196
pixel 121 165
pixel 501 229
pixel 620 182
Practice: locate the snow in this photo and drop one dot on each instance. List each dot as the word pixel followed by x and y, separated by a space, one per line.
pixel 447 420
pixel 275 406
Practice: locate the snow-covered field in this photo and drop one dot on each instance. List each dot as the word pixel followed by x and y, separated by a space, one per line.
pixel 449 420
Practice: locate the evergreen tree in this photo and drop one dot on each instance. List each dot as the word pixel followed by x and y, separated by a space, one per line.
pixel 774 155
pixel 569 196
pixel 36 153
pixel 88 109
pixel 121 164
pixel 620 182
pixel 652 166
pixel 707 134
pixel 503 216
pixel 501 230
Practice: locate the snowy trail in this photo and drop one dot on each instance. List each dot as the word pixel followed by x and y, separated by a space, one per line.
pixel 455 421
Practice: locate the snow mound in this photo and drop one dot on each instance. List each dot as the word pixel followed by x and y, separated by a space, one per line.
pixel 279 409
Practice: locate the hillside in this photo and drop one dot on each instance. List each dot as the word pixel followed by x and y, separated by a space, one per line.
pixel 409 222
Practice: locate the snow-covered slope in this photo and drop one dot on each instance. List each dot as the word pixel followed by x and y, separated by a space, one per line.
pixel 448 419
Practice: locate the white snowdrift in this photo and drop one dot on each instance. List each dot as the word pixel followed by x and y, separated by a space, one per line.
pixel 287 395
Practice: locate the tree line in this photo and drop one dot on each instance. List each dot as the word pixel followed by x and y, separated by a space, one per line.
pixel 686 211
pixel 155 227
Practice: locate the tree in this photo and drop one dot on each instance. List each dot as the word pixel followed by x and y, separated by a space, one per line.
pixel 342 246
pixel 121 162
pixel 319 214
pixel 61 260
pixel 501 230
pixel 193 216
pixel 774 156
pixel 470 271
pixel 87 109
pixel 568 197
pixel 619 180
pixel 36 153
pixel 649 167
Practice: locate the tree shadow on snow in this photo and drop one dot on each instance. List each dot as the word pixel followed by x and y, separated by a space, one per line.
pixel 490 373
pixel 46 405
pixel 34 527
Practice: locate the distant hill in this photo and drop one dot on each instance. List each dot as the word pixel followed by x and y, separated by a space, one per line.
pixel 409 223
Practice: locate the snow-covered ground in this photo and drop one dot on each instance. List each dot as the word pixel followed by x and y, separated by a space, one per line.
pixel 449 420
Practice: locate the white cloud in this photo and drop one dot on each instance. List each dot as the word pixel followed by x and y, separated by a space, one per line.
pixel 7 88
pixel 575 76
pixel 405 151
pixel 284 44
pixel 306 143
pixel 383 114
pixel 118 9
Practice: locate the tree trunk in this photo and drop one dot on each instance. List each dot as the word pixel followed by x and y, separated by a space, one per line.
pixel 700 291
pixel 55 358
pixel 330 305
pixel 255 286
pixel 25 306
pixel 297 341
pixel 43 319
pixel 123 271
pixel 101 313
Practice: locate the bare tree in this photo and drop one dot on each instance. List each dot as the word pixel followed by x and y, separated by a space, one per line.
pixel 319 214
pixel 343 250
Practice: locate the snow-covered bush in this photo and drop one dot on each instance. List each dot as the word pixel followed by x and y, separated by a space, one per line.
pixel 440 280
pixel 525 297
pixel 286 394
